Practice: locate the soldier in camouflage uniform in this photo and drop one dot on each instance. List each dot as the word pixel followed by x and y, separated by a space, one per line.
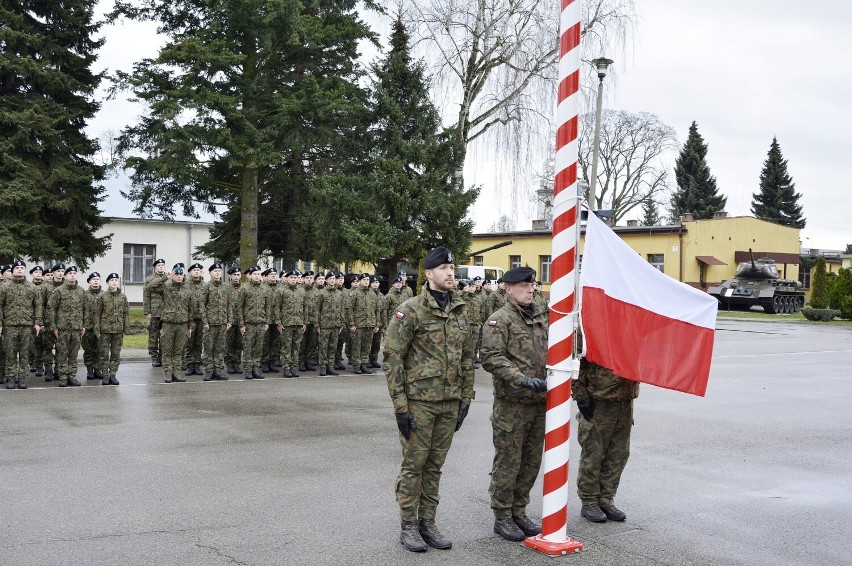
pixel 152 304
pixel 177 317
pixel 308 347
pixel 37 351
pixel 52 353
pixel 406 288
pixel 394 298
pixel 215 317
pixel 20 316
pixel 252 312
pixel 290 318
pixel 233 336
pixel 111 315
pixel 344 341
pixel 68 309
pixel 376 342
pixel 498 297
pixel 539 298
pixel 514 352
pixel 272 337
pixel 429 370
pixel 605 419
pixel 474 317
pixel 195 342
pixel 329 320
pixel 363 324
pixel 89 341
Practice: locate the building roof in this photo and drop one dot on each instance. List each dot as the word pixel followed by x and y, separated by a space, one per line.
pixel 158 221
pixel 668 229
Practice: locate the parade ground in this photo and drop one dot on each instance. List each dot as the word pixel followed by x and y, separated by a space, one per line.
pixel 301 471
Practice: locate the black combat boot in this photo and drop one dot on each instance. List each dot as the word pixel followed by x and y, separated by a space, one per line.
pixel 339 365
pixel 105 380
pixel 10 383
pixel 90 374
pixel 249 374
pixel 256 374
pixel 330 371
pixel 178 378
pixel 593 513
pixel 33 368
pixel 188 370
pixel 22 383
pixel 323 371
pixel 530 527
pixel 73 381
pixel 410 537
pixel 230 369
pixel 273 369
pixel 207 377
pixel 292 371
pixel 39 371
pixel 158 363
pixel 432 536
pixel 375 364
pixel 288 373
pixel 264 367
pixel 112 380
pixel 155 363
pixel 99 375
pixel 62 382
pixel 239 368
pixel 507 529
pixel 366 369
pixel 612 512
pixel 357 369
pixel 311 367
pixel 48 375
pixel 303 367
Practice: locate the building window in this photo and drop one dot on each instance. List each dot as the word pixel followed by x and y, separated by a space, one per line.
pixel 478 260
pixel 804 276
pixel 544 268
pixel 514 261
pixel 138 262
pixel 658 261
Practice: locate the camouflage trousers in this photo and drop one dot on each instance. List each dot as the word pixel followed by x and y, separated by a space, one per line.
pixel 67 348
pixel 155 328
pixel 109 352
pixel 214 347
pixel 253 346
pixel 376 345
pixel 37 350
pixel 605 447
pixel 172 344
pixel 194 345
pixel 362 338
pixel 51 354
pixel 17 341
pixel 271 345
pixel 344 341
pixel 291 339
pixel 475 339
pixel 233 346
pixel 328 338
pixel 518 433
pixel 423 456
pixel 91 351
pixel 308 348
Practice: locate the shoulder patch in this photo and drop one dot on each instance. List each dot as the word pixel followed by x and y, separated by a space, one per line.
pixel 399 315
pixel 492 323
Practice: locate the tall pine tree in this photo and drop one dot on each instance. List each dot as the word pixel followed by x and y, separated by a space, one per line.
pixel 777 200
pixel 696 191
pixel 650 213
pixel 49 190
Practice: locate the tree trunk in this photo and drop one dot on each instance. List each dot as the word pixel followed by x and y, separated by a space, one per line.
pixel 248 218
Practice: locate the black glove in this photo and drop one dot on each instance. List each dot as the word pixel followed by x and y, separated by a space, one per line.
pixel 535 384
pixel 406 423
pixel 587 408
pixel 463 407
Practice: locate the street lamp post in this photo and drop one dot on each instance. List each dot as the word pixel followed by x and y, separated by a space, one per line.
pixel 601 63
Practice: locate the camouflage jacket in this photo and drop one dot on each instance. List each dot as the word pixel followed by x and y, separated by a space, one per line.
pixel 197 288
pixel 311 293
pixel 474 308
pixel 233 291
pixel 514 346
pixel 407 293
pixel 43 292
pixel 67 307
pixel 346 305
pixel 498 299
pixel 179 302
pixel 20 304
pixel 427 352
pixel 111 313
pixel 290 306
pixel 215 303
pixel 602 384
pixel 393 299
pixel 252 305
pixel 329 308
pixel 365 308
pixel 540 300
pixel 383 309
pixel 152 303
pixel 92 297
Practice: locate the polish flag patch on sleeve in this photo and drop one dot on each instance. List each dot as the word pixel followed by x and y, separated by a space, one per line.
pixel 399 315
pixel 492 323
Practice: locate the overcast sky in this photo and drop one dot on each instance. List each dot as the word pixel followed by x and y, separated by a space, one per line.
pixel 744 70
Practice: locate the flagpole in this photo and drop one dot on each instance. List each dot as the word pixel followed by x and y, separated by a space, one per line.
pixel 561 362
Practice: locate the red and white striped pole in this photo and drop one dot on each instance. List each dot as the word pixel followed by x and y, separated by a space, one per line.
pixel 561 362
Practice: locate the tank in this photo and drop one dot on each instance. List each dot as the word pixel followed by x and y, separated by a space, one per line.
pixel 756 282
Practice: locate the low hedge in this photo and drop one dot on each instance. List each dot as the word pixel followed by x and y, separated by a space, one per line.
pixel 822 315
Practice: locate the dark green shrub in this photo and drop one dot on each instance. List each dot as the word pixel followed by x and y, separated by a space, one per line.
pixel 846 308
pixel 821 315
pixel 819 297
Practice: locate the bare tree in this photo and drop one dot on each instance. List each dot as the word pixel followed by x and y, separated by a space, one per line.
pixel 504 224
pixel 631 161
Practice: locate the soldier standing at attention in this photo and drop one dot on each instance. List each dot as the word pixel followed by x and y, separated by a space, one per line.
pixel 233 337
pixel 329 320
pixel 382 320
pixel 89 342
pixel 57 280
pixel 429 369
pixel 290 318
pixel 364 323
pixel 68 309
pixel 152 304
pixel 514 352
pixel 474 317
pixel 605 418
pixel 194 344
pixel 271 338
pixel 406 289
pixel 308 347
pixel 344 341
pixel 111 315
pixel 215 308
pixel 37 350
pixel 252 312
pixel 177 315
pixel 394 298
pixel 20 316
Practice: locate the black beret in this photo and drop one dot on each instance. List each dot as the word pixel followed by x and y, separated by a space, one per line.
pixel 468 283
pixel 438 256
pixel 309 273
pixel 159 261
pixel 36 268
pixel 297 273
pixel 477 278
pixel 282 273
pixel 177 269
pixel 374 278
pixel 18 263
pixel 266 272
pixel 519 274
pixel 181 265
pixel 397 279
pixel 234 269
pixel 330 274
pixel 214 266
pixel 252 269
pixel 290 273
pixel 58 267
pixel 91 275
pixel 196 266
pixel 112 275
pixel 499 280
pixel 487 282
pixel 402 272
pixel 71 269
pixel 4 268
pixel 365 276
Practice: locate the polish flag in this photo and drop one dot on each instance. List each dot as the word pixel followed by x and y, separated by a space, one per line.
pixel 639 322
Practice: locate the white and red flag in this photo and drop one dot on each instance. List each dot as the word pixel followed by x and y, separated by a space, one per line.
pixel 639 322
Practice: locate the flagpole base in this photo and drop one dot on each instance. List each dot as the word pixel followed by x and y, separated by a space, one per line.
pixel 554 548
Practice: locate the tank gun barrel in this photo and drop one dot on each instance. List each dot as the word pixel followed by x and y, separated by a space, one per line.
pixel 751 255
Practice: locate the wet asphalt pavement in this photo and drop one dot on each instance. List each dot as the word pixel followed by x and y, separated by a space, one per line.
pixel 301 471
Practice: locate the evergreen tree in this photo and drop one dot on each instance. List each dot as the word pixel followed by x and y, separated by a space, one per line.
pixel 777 200
pixel 650 213
pixel 249 105
pixel 696 191
pixel 819 295
pixel 407 201
pixel 48 181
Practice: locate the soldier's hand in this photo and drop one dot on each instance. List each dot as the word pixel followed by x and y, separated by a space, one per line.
pixel 97 335
pixel 228 326
pixel 56 333
pixel 352 329
pixel 242 330
pixel 82 331
pixel 206 327
pixel 587 408
pixel 406 423
pixel 280 329
pixel 304 327
pixel 534 384
pixel 265 327
pixel 148 316
pixel 463 408
pixel 189 332
pixel 36 327
pixel 376 329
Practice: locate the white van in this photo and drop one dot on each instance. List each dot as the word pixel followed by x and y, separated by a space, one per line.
pixel 483 271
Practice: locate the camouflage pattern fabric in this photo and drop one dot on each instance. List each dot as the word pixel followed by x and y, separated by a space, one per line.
pixel 111 317
pixel 194 343
pixel 605 446
pixel 214 347
pixel 17 341
pixel 89 341
pixel 327 345
pixel 67 348
pixel 233 337
pixel 252 346
pixel 152 304
pixel 172 343
pixel 362 339
pixel 291 339
pixel 109 356
pixel 177 316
